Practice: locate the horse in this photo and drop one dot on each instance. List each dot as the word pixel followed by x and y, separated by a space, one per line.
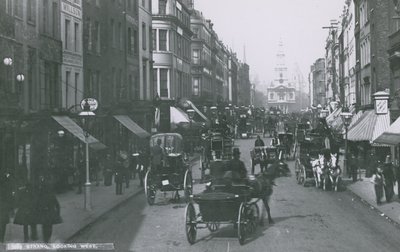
pixel 264 182
pixel 334 171
pixel 318 166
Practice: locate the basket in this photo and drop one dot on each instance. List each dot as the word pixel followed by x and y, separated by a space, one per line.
pixel 218 206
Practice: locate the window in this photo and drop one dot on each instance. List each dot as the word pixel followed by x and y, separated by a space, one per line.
pixel 281 97
pixel 45 14
pixel 164 82
pixel 55 12
pixel 66 34
pixel 144 41
pixel 31 77
pixel 76 85
pixel 144 73
pixel 76 37
pixel 120 42
pixel 130 51
pixel 89 41
pixel 162 7
pixel 9 7
pixel 291 96
pixel 31 11
pixel 18 8
pixel 196 56
pixel 271 96
pixel 96 36
pixel 67 83
pixel 113 79
pixel 196 86
pixel 135 41
pixel 162 44
pixel 154 39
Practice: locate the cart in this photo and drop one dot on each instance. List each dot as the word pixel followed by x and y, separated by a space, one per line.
pixel 263 156
pixel 223 204
pixel 175 173
pixel 216 149
pixel 306 151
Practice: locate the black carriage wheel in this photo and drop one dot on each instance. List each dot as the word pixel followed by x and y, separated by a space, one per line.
pixel 149 189
pixel 188 186
pixel 242 224
pixel 190 223
pixel 213 226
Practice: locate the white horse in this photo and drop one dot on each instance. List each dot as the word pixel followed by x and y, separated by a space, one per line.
pixel 334 172
pixel 318 169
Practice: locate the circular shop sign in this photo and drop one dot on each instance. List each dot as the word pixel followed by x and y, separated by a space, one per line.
pixel 91 102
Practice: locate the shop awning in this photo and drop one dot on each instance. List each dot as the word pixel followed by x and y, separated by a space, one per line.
pixel 77 131
pixel 391 135
pixel 369 126
pixel 355 119
pixel 132 126
pixel 198 111
pixel 178 116
pixel 334 120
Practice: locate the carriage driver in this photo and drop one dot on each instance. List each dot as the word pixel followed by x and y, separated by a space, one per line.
pixel 235 168
pixel 157 154
pixel 259 142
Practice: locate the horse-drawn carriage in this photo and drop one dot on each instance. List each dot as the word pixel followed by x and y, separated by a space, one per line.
pixel 286 144
pixel 174 174
pixel 217 148
pixel 263 156
pixel 315 162
pixel 223 203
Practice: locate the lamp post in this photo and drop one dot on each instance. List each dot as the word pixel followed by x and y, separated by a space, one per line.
pixel 86 113
pixel 346 117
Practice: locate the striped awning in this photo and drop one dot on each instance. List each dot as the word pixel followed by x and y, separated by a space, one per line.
pixel 356 119
pixel 334 120
pixel 390 136
pixel 369 126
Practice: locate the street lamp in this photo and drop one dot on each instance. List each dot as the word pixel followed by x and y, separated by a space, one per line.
pixel 346 118
pixel 86 113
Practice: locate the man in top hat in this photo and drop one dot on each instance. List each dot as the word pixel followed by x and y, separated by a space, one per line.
pixel 388 175
pixel 235 166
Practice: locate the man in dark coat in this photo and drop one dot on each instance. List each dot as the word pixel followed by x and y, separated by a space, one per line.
pixel 259 142
pixel 236 168
pixel 119 176
pixel 388 175
pixel 26 211
pixel 157 155
pixel 47 209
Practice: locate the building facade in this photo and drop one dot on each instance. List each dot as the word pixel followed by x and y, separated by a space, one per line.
pixel 171 49
pixel 72 67
pixel 317 83
pixel 30 86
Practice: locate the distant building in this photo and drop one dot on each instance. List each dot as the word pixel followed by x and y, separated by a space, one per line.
pixel 317 83
pixel 281 93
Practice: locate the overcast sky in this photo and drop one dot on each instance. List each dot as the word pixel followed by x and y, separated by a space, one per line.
pixel 260 24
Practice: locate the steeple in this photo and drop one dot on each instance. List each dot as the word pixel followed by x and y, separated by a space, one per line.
pixel 281 75
pixel 244 53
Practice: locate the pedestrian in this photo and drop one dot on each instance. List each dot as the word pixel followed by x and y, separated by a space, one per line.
pixel 397 177
pixel 126 170
pixel 108 168
pixel 6 203
pixel 26 211
pixel 377 180
pixel 119 176
pixel 353 166
pixel 47 209
pixel 259 142
pixel 388 175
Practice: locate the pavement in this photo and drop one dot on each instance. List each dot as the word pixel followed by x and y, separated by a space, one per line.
pixel 363 189
pixel 76 218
